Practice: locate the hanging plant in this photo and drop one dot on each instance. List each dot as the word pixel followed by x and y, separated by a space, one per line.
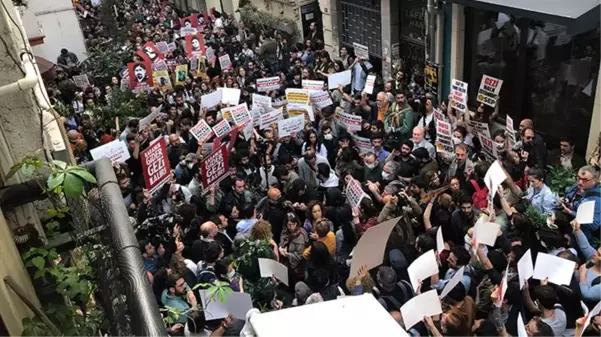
pixel 560 179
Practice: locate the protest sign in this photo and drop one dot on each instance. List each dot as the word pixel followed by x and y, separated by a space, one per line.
pixel 312 85
pixel 489 148
pixel 525 268
pixel 230 96
pixel 305 110
pixel 222 128
pixel 181 73
pixel 163 47
pixel 214 167
pixel 160 66
pixel 195 45
pixel 124 84
pixel 510 131
pixel 431 77
pixel 140 75
pixel 201 131
pixel 489 90
pixel 369 251
pixel 171 46
pixel 261 101
pixel 289 126
pixel 162 79
pixel 240 114
pixel 444 137
pixel 422 268
pixel 225 62
pixel 585 214
pixel 478 128
pixel 320 99
pixel 268 84
pixel 190 21
pixel 81 81
pixel 361 51
pixel 362 144
pixel 229 137
pixel 270 117
pixel 155 165
pixel 210 100
pixel 354 193
pixel 348 121
pixel 370 82
pixel 454 281
pixel 300 96
pixel 269 268
pixel 183 32
pixel 256 115
pixel 438 115
pixel 150 53
pixel 459 95
pixel 557 270
pixel 116 151
pixel 423 305
pixel 341 78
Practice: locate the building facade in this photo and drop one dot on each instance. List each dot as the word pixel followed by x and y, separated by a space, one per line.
pixel 546 53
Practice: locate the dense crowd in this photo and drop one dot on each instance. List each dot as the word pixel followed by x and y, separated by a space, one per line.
pixel 290 198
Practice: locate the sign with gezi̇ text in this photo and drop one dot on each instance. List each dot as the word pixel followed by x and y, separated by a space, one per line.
pixel 459 95
pixel 488 93
pixel 155 165
pixel 214 167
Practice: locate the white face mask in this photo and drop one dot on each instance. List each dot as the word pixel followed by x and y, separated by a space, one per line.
pixel 370 166
pixel 231 274
pixel 456 140
pixel 328 136
pixel 500 146
pixel 386 175
pixel 190 165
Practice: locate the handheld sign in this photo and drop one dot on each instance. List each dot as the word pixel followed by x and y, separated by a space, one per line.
pixel 155 165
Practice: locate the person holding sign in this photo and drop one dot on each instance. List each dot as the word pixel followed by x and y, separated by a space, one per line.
pixel 586 189
pixel 324 66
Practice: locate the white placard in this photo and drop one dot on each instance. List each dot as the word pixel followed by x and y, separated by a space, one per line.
pixel 348 121
pixel 596 310
pixel 289 126
pixel 268 84
pixel 557 270
pixel 422 268
pixel 269 118
pixel 116 151
pixel 354 193
pixel 222 128
pixel 439 240
pixel 454 281
pixel 370 82
pixel 201 131
pixel 369 251
pixel 586 212
pixel 361 51
pixel 521 327
pixel 459 95
pixel 489 90
pixel 225 62
pixel 230 95
pixel 240 114
pixel 269 267
pixel 362 143
pixel 494 177
pixel 341 78
pixel 261 101
pixel 210 100
pixel 212 307
pixel 238 304
pixel 414 310
pixel 525 268
pixel 313 85
pixel 486 232
pixel 321 99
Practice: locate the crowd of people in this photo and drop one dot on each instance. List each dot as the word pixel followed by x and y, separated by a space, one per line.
pixel 288 197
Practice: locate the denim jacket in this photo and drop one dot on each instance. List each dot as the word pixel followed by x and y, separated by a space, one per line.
pixel 544 200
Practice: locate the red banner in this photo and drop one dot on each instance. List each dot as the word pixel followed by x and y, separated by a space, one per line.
pixel 155 165
pixel 214 167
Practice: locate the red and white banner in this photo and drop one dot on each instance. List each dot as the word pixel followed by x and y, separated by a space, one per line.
pixel 444 137
pixel 201 131
pixel 313 85
pixel 155 165
pixel 270 117
pixel 214 167
pixel 268 84
pixel 348 121
pixel 354 193
pixel 321 99
pixel 225 62
pixel 222 128
pixel 240 114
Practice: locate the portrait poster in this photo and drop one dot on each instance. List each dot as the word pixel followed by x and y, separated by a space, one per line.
pixel 140 75
pixel 181 73
pixel 162 79
pixel 195 45
pixel 150 52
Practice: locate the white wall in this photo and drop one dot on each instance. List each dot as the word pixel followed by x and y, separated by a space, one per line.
pixel 59 23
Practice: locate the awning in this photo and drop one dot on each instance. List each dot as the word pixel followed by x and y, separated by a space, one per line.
pixel 579 16
pixel 44 65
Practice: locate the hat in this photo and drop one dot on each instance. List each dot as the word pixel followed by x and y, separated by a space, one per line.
pixel 191 157
pixel 421 153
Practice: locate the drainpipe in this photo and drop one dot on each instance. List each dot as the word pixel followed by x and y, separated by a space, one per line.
pixel 432 10
pixel 53 130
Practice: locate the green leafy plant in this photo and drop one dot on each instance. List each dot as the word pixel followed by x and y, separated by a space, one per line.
pixel 560 179
pixel 247 256
pixel 538 219
pixel 70 279
pixel 123 104
pixel 258 20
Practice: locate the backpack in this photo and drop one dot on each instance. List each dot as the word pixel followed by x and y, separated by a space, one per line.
pixel 407 290
pixel 480 197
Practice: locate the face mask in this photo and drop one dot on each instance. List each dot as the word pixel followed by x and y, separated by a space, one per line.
pixel 231 274
pixel 370 166
pixel 190 165
pixel 328 136
pixel 500 146
pixel 386 175
pixel 456 141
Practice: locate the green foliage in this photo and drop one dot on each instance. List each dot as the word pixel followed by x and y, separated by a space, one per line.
pixel 560 179
pixel 258 20
pixel 123 104
pixel 105 60
pixel 538 219
pixel 72 281
pixel 247 256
